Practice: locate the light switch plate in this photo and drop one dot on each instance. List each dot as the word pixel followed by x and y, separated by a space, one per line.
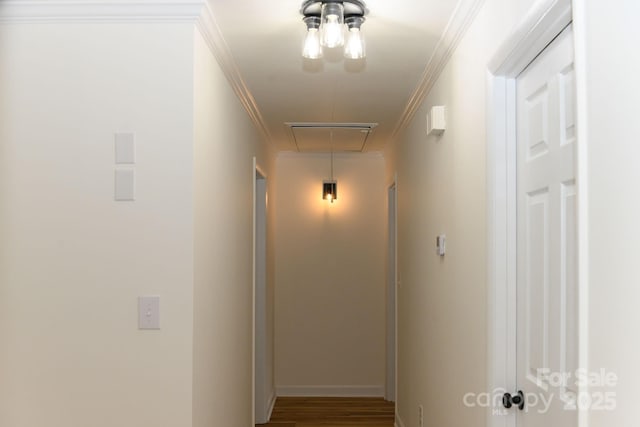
pixel 125 148
pixel 125 182
pixel 149 312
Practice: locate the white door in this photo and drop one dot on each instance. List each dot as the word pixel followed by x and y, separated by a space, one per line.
pixel 547 346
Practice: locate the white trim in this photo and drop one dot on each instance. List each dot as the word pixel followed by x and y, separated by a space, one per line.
pixel 331 391
pixel 544 21
pixel 392 294
pixel 398 422
pixel 212 35
pixel 142 11
pixel 34 11
pixel 461 19
pixel 582 182
pixel 272 404
pixel 501 230
pixel 542 24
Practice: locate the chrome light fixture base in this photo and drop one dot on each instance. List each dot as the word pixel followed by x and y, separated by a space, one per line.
pixel 351 7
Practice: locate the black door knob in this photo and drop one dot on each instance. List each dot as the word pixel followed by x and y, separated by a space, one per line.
pixel 509 400
pixel 506 400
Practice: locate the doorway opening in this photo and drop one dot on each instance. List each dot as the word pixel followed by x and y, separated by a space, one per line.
pixel 542 25
pixel 263 372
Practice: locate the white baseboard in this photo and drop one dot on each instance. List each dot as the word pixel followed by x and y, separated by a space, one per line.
pixel 272 403
pixel 398 422
pixel 331 391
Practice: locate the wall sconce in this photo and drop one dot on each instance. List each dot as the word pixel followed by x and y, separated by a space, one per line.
pixel 329 190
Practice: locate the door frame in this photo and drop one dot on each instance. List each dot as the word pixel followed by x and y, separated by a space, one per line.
pixel 262 402
pixel 544 21
pixel 391 388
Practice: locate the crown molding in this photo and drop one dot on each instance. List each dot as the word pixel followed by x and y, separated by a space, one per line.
pixel 462 17
pixel 212 35
pixel 33 11
pixel 196 11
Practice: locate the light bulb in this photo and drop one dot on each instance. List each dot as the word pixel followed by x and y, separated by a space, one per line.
pixel 332 25
pixel 354 47
pixel 333 33
pixel 312 48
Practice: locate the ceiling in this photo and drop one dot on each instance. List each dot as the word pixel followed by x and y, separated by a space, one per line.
pixel 408 42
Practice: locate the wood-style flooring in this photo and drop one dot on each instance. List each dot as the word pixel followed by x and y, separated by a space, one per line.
pixel 331 412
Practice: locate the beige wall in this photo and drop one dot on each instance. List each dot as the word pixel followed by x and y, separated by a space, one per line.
pixel 442 323
pixel 330 269
pixel 225 144
pixel 73 261
pixel 442 314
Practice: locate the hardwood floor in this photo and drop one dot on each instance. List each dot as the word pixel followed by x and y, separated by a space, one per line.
pixel 331 412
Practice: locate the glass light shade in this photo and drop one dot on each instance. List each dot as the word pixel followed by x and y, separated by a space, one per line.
pixel 330 190
pixel 332 25
pixel 312 48
pixel 354 47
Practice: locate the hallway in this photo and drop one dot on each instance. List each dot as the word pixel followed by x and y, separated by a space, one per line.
pixel 131 136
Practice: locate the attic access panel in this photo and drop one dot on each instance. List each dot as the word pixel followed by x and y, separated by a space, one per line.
pixel 326 137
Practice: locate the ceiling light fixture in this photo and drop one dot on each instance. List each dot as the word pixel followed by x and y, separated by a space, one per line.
pixel 329 190
pixel 326 20
pixel 330 186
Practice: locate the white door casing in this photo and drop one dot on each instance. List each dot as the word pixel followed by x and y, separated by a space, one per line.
pixel 262 399
pixel 546 237
pixel 542 23
pixel 392 286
